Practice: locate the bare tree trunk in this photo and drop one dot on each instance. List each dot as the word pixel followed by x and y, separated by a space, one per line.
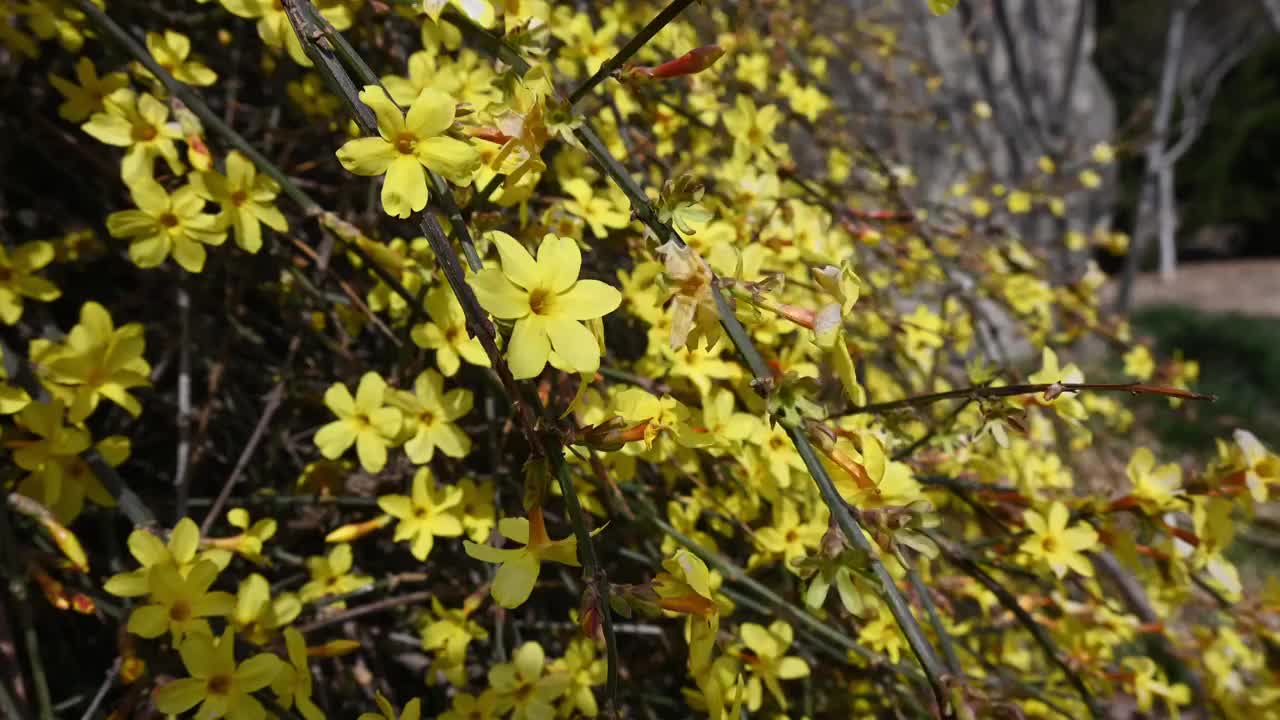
pixel 1167 219
pixel 1147 200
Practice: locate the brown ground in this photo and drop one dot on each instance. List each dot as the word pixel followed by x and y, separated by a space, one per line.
pixel 1251 287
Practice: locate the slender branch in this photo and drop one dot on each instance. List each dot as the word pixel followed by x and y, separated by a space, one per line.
pixel 129 502
pixel 931 610
pixel 1010 603
pixel 648 215
pixel 734 574
pixel 16 581
pixel 342 230
pixel 480 327
pixel 995 391
pixel 182 466
pixel 608 67
pixel 374 607
pixel 269 409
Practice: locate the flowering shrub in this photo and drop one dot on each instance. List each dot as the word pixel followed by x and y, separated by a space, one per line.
pixel 545 377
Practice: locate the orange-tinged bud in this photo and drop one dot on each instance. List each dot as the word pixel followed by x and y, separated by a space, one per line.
pixel 53 590
pixel 355 531
pixel 493 135
pixel 132 668
pixel 690 63
pixel 83 604
pixel 690 604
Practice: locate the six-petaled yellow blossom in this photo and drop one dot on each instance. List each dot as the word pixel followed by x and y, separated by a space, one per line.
pixel 1057 544
pixel 166 224
pixel 548 303
pixel 425 514
pixel 409 144
pixel 364 421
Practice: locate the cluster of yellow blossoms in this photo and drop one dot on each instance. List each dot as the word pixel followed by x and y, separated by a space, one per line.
pixel 703 329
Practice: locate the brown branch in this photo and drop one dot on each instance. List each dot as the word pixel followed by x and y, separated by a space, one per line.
pixel 995 391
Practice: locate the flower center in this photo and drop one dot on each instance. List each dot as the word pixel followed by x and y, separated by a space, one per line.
pixel 540 302
pixel 405 142
pixel 144 133
pixel 169 220
pixel 1049 544
pixel 426 417
pixel 238 197
pixel 180 611
pixel 219 685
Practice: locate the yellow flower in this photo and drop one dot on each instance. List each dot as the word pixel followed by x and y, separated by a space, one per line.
pixel 477 508
pixel 1059 546
pixel 171 51
pixel 1066 404
pixel 519 567
pixel 412 711
pixel 150 552
pixel 752 129
pixel 548 303
pixel 447 333
pixel 292 685
pixel 429 413
pixel 584 670
pixel 331 575
pixel 364 422
pixel 18 279
pixel 522 687
pixel 98 360
pixel 407 144
pixel 166 225
pixel 247 200
pixel 608 209
pixel 788 536
pixel 86 98
pixel 1261 466
pixel 141 124
pixel 471 707
pixel 224 688
pixel 424 515
pixel 480 11
pixel 448 632
pixel 1157 488
pixel 257 616
pixel 768 662
pixel 275 29
pixel 424 73
pixel 180 604
pixel 1139 364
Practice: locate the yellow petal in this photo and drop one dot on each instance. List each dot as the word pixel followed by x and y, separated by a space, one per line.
pixel 405 189
pixel 517 263
pixel 559 261
pixel 514 581
pixel 430 114
pixel 588 299
pixel 498 295
pixel 367 156
pixel 530 347
pixel 573 342
pixel 390 119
